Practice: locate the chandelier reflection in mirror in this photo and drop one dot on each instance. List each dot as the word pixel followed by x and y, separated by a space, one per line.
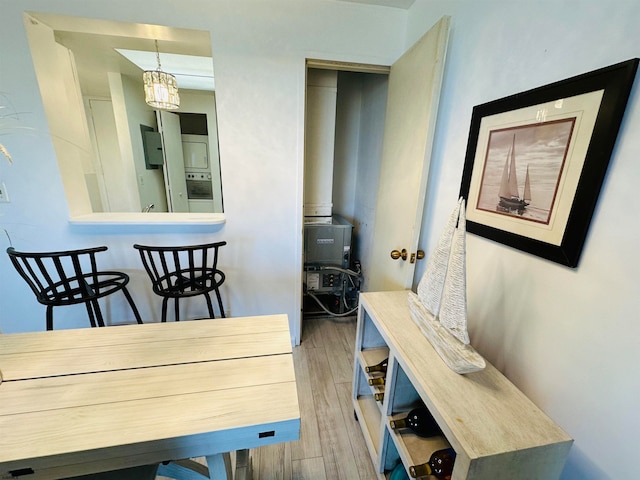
pixel 160 88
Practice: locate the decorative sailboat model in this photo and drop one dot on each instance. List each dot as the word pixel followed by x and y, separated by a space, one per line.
pixel 440 306
pixel 509 194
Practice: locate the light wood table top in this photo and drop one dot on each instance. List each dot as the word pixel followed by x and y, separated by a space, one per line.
pixel 96 399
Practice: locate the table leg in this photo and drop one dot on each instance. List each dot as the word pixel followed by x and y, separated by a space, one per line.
pixel 220 466
pixel 244 469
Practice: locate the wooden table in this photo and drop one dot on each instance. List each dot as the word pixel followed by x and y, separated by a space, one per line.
pixel 81 401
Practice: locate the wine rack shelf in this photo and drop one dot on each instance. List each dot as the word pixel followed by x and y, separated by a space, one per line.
pixel 495 430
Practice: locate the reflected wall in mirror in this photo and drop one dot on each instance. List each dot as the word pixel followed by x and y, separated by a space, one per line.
pixel 116 153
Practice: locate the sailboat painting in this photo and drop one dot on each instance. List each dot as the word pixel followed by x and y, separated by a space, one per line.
pixel 523 168
pixel 440 306
pixel 509 194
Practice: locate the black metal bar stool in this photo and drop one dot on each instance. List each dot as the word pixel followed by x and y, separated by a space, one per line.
pixel 182 272
pixel 68 278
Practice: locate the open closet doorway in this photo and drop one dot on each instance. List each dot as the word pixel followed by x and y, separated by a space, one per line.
pixel 344 123
pixel 369 164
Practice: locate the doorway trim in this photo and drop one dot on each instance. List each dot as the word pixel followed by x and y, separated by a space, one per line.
pixel 346 66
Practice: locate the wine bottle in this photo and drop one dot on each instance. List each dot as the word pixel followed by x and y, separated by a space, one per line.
pixel 378 367
pixel 440 464
pixel 420 421
pixel 379 397
pixel 376 381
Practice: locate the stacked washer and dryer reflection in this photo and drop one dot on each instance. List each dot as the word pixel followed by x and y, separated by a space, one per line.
pixel 197 170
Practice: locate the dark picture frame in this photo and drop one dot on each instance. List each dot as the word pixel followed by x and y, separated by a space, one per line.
pixel 536 161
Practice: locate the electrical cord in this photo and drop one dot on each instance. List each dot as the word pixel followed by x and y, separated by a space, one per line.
pixel 350 275
pixel 319 302
pixel 349 272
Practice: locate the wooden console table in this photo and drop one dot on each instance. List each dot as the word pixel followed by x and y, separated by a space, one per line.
pixel 495 430
pixel 74 402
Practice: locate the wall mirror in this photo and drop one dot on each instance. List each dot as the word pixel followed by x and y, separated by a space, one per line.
pixel 115 152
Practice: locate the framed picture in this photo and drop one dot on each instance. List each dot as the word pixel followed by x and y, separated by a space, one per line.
pixel 536 161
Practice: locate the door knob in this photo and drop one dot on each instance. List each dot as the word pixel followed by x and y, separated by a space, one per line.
pixel 419 255
pixel 396 254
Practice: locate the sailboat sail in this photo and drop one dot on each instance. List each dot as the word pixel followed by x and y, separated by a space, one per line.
pixel 440 307
pixel 527 188
pixel 453 313
pixel 509 194
pixel 505 191
pixel 431 285
pixel 509 181
pixel 513 179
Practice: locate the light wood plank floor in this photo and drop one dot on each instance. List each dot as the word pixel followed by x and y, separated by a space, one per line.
pixel 331 445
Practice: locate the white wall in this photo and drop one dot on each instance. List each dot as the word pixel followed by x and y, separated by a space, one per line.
pixel 347 134
pixel 361 109
pixel 567 337
pixel 259 55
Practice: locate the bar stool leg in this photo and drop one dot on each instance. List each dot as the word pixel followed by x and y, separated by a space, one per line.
pixel 132 304
pixel 49 317
pixel 177 309
pixel 92 317
pixel 210 306
pixel 164 309
pixel 98 312
pixel 220 303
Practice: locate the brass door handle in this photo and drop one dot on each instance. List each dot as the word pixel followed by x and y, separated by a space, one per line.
pixel 396 254
pixel 419 255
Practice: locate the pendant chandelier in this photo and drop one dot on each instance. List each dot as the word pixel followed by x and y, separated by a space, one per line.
pixel 160 88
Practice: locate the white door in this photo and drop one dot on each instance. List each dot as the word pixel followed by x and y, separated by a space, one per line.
pixel 175 181
pixel 412 106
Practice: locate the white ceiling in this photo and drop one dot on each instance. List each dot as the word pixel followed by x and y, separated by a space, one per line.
pixel 191 72
pixel 96 54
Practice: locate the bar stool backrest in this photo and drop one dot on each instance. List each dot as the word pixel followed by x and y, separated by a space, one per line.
pixel 70 277
pixel 57 277
pixel 184 271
